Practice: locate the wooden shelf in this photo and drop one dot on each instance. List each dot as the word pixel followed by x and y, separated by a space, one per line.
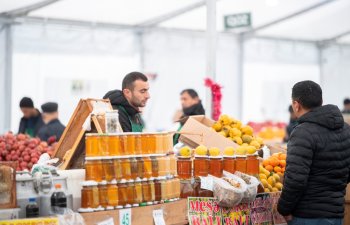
pixel 175 213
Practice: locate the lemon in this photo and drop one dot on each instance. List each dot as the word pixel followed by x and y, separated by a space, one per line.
pixel 262 176
pixel 214 151
pixel 234 132
pixel 248 130
pixel 185 151
pixel 217 126
pixel 264 183
pixel 241 150
pixel 271 180
pixel 230 151
pixel 251 150
pixel 269 187
pixel 277 177
pixel 201 150
pixel 279 186
pixel 238 140
pixel 255 144
pixel 247 138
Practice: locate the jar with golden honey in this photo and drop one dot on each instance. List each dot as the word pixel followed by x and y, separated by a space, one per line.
pixel 164 165
pixel 201 166
pixel 130 144
pixel 103 142
pixel 114 145
pixel 153 192
pixel 216 166
pixel 241 163
pixel 146 190
pixel 147 167
pixel 184 167
pixel 253 165
pixel 123 145
pixel 140 167
pixel 158 189
pixel 176 183
pixel 155 167
pixel 122 193
pixel 89 195
pixel 126 168
pixel 144 144
pixel 94 170
pixel 102 194
pixel 112 194
pixel 138 146
pixel 152 143
pixel 172 164
pixel 91 145
pixel 108 168
pixel 159 143
pixel 130 190
pixel 133 168
pixel 230 164
pixel 138 199
pixel 117 167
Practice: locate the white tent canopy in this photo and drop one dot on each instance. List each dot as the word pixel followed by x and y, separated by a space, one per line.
pixel 63 41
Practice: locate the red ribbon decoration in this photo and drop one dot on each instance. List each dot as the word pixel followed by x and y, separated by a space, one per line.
pixel 216 97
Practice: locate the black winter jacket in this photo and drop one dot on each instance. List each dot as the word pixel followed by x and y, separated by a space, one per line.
pixel 117 98
pixel 318 165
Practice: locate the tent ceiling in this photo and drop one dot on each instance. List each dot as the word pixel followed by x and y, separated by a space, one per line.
pixel 325 22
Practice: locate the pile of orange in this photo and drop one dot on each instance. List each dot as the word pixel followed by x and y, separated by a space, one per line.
pixel 276 163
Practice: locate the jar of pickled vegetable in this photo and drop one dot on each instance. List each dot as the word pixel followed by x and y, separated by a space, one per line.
pixel 102 194
pixel 139 167
pixel 112 193
pixel 117 167
pixel 91 145
pixel 172 164
pixel 216 166
pixel 122 193
pixel 130 190
pixel 108 168
pixel 184 167
pixel 94 170
pixel 114 145
pixel 230 164
pixel 130 144
pixel 138 146
pixel 89 195
pixel 155 166
pixel 126 168
pixel 241 164
pixel 201 166
pixel 133 168
pixel 186 189
pixel 147 167
pixel 138 199
pixel 253 165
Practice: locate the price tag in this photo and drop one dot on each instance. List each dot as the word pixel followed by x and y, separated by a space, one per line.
pixel 125 217
pixel 158 217
pixel 110 221
pixel 207 183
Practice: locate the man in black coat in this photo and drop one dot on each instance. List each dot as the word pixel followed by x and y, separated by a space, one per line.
pixel 130 100
pixel 318 161
pixel 31 121
pixel 53 128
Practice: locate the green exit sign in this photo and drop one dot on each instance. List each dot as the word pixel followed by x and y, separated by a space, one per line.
pixel 238 20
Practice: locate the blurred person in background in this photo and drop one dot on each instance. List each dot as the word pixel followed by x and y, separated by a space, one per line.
pixel 318 161
pixel 130 100
pixel 53 129
pixel 292 123
pixel 346 103
pixel 191 106
pixel 31 121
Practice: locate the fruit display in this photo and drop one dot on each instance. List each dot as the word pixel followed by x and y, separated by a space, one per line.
pixel 242 135
pixel 271 171
pixel 269 130
pixel 22 149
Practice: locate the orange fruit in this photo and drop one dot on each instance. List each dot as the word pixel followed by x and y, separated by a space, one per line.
pixel 269 168
pixel 282 156
pixel 283 169
pixel 277 169
pixel 280 174
pixel 283 163
pixel 266 162
pixel 276 155
pixel 274 161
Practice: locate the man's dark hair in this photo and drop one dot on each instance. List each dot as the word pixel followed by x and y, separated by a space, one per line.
pixel 130 78
pixel 290 109
pixel 191 93
pixel 26 103
pixel 346 101
pixel 308 94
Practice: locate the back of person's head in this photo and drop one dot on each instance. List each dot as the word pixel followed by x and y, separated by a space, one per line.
pixel 26 102
pixel 190 92
pixel 346 101
pixel 290 109
pixel 130 78
pixel 308 94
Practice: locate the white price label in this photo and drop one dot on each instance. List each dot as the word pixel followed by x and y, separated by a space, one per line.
pixel 125 217
pixel 158 217
pixel 207 183
pixel 110 221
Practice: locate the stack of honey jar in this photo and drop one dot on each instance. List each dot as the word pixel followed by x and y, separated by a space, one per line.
pixel 191 165
pixel 129 170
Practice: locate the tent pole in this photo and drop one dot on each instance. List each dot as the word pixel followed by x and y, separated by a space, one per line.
pixel 210 51
pixel 240 76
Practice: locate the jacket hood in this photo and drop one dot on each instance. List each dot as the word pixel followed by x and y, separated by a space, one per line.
pixel 117 98
pixel 328 116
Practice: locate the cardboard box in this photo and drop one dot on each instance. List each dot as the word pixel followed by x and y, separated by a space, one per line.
pixel 197 130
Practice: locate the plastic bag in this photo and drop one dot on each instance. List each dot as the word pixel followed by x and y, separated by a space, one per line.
pixel 229 194
pixel 252 185
pixel 70 218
